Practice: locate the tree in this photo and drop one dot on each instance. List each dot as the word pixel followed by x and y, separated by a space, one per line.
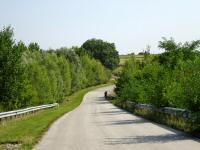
pixel 103 51
pixel 177 52
pixel 12 81
pixel 77 72
pixel 30 76
pixel 34 47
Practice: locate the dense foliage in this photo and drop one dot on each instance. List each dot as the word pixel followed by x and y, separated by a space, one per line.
pixel 103 51
pixel 170 79
pixel 11 70
pixel 30 76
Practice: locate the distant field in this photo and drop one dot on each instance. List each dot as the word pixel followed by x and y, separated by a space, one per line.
pixel 124 58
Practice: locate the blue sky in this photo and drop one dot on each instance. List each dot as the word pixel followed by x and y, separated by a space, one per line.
pixel 130 24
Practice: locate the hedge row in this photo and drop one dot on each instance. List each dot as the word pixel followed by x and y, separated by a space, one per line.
pixel 30 76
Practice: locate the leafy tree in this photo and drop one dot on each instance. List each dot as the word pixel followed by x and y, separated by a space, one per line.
pixel 126 86
pixel 34 47
pixel 40 87
pixel 103 51
pixel 65 72
pixel 77 72
pixel 177 52
pixel 30 76
pixel 94 71
pixel 12 82
pixel 170 79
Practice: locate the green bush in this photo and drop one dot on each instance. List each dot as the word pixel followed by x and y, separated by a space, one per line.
pixel 170 79
pixel 191 86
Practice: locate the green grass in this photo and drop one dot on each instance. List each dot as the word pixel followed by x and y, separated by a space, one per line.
pixel 123 59
pixel 29 129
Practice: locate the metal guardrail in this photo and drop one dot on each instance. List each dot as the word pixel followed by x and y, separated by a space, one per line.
pixel 9 114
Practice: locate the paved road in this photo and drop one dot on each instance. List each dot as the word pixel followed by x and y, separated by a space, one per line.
pixel 98 125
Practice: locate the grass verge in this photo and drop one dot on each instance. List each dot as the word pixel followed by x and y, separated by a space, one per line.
pixel 26 131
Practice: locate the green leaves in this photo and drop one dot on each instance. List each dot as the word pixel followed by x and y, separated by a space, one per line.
pixel 30 76
pixel 34 47
pixel 12 81
pixel 171 79
pixel 103 51
pixel 175 53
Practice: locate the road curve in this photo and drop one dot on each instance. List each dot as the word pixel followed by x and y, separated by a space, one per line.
pixel 98 125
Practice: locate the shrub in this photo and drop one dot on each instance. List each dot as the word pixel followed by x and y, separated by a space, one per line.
pixel 170 79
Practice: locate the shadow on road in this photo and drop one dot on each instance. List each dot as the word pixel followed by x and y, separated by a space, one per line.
pixel 146 139
pixel 109 113
pixel 122 122
pixel 126 122
pixel 174 136
pixel 100 100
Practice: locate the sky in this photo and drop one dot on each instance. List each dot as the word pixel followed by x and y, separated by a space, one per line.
pixel 130 24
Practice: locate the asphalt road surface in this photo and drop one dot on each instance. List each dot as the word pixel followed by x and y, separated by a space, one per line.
pixel 98 125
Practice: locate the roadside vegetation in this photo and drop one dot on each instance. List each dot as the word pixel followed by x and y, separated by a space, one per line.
pixel 170 79
pixel 25 132
pixel 30 76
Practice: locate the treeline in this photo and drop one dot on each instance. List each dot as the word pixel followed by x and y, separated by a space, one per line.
pixel 168 79
pixel 30 76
